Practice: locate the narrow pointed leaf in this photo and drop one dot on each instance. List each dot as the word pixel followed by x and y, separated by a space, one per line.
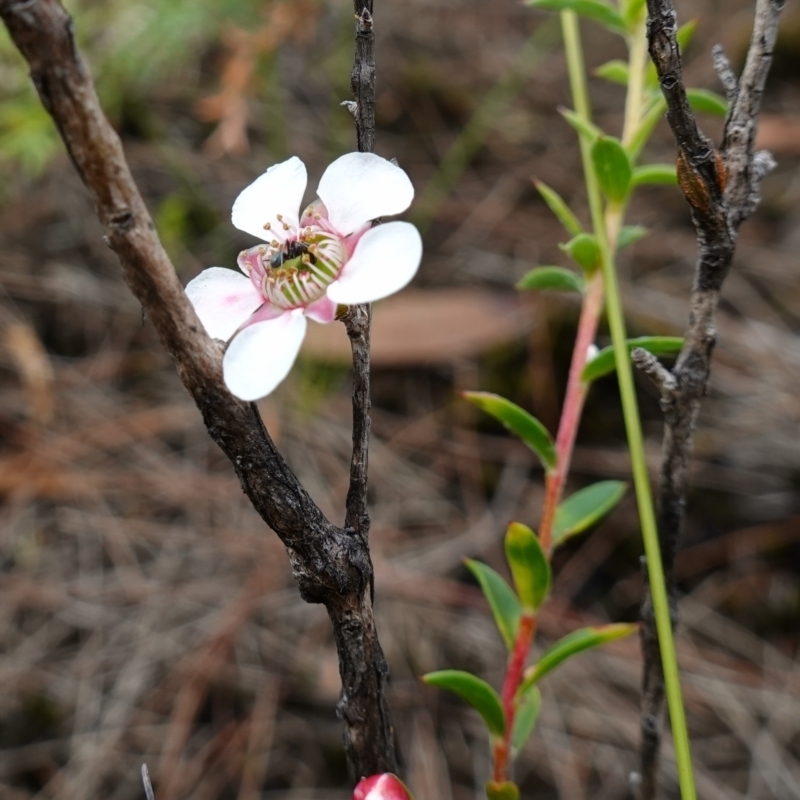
pixel 501 598
pixel 557 205
pixel 708 102
pixel 585 508
pixel 555 279
pixel 655 173
pixel 527 712
pixel 519 422
pixel 596 10
pixel 529 565
pixel 630 234
pixel 613 168
pixel 652 116
pixel 582 125
pixel 686 33
pixel 615 71
pixel 583 250
pixel 572 644
pixel 632 11
pixel 603 363
pixel 476 692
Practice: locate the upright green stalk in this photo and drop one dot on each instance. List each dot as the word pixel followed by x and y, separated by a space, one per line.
pixel 630 409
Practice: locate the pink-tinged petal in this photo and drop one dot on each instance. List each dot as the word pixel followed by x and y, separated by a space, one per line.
pixel 278 191
pixel 252 263
pixel 261 355
pixel 224 300
pixel 382 787
pixel 313 213
pixel 266 312
pixel 359 187
pixel 385 260
pixel 322 310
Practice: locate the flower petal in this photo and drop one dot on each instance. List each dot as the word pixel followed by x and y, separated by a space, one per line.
pixel 381 787
pixel 359 187
pixel 223 299
pixel 260 357
pixel 322 310
pixel 278 191
pixel 384 261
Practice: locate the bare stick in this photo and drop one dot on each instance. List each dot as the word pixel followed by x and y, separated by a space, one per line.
pixel 358 320
pixel 148 787
pixel 722 189
pixel 331 565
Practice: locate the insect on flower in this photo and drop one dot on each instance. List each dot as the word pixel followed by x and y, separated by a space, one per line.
pixel 307 265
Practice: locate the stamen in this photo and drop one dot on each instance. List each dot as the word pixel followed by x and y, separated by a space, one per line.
pixel 267 226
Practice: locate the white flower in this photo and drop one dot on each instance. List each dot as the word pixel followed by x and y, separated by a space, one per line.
pixel 310 263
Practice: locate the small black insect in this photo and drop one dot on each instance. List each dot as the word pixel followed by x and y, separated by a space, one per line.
pixel 290 251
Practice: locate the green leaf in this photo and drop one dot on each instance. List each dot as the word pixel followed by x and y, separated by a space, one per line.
pixel 613 168
pixel 686 33
pixel 572 644
pixel 615 71
pixel 525 717
pixel 529 565
pixel 630 234
pixel 583 126
pixel 557 205
pixel 603 363
pixel 585 508
pixel 596 10
pixel 655 173
pixel 583 250
pixel 556 279
pixel 684 37
pixel 653 114
pixel 502 600
pixel 632 12
pixel 502 791
pixel 476 692
pixel 708 102
pixel 519 422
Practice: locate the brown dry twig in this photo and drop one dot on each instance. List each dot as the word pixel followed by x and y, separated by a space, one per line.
pixel 331 564
pixel 723 189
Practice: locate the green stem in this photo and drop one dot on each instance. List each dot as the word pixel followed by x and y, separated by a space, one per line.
pixel 630 409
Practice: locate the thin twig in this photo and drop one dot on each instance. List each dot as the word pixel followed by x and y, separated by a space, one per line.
pixel 722 189
pixel 148 787
pixel 358 320
pixel 331 565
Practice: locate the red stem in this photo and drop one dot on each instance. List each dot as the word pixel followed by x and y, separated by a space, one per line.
pixel 516 666
pixel 554 486
pixel 573 406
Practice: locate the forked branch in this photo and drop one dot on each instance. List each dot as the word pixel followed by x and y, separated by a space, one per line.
pixel 331 564
pixel 723 189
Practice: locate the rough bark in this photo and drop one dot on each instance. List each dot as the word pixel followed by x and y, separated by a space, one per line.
pixel 723 189
pixel 331 564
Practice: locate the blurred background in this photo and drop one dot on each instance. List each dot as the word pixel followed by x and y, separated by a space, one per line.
pixel 147 615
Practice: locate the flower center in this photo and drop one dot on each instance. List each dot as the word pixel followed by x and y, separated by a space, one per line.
pixel 296 272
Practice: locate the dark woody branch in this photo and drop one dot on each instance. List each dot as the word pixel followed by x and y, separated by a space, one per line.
pixel 722 188
pixel 331 564
pixel 358 319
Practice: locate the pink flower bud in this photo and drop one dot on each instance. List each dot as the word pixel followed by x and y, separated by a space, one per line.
pixel 382 787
